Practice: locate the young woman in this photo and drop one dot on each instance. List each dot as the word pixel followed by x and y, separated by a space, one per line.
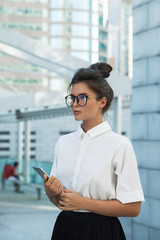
pixel 94 178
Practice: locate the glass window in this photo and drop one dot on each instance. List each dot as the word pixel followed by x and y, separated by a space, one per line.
pixel 24 12
pixel 57 43
pixel 57 4
pixel 57 16
pixel 82 55
pixel 95 32
pixel 32 1
pixel 56 30
pixel 94 57
pixel 95 45
pixel 95 19
pixel 80 44
pixel 102 47
pixel 80 30
pixel 102 59
pixel 102 34
pixel 82 17
pixel 25 26
pixel 83 4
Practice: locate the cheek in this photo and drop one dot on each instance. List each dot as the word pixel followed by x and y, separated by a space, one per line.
pixel 92 109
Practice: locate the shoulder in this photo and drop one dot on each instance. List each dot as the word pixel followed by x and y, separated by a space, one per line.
pixel 119 139
pixel 11 169
pixel 67 138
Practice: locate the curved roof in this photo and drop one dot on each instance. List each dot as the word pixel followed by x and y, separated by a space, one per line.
pixel 34 52
pixel 37 53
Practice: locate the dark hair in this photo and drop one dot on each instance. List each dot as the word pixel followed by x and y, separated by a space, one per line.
pixel 15 164
pixel 94 77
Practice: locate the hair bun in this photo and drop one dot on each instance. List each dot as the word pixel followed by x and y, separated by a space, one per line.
pixel 103 68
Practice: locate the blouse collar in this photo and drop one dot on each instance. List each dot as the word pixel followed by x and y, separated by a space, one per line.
pixel 95 131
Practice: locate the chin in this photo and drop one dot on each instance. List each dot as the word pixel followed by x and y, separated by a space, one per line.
pixel 78 118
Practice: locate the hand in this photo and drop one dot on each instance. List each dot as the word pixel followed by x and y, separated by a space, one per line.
pixel 69 200
pixel 52 186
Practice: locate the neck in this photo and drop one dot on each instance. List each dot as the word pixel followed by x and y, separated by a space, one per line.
pixel 87 125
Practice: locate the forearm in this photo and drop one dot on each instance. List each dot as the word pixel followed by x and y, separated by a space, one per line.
pixel 70 201
pixel 113 208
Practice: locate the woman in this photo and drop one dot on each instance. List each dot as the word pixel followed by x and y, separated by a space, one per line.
pixel 94 178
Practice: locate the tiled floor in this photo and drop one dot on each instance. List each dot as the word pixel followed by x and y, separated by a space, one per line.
pixel 23 217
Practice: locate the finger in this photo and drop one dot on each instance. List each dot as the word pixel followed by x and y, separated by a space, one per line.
pixel 46 177
pixel 59 191
pixel 51 179
pixel 61 207
pixel 62 195
pixel 59 184
pixel 65 208
pixel 60 187
pixel 68 190
pixel 56 181
pixel 62 198
pixel 61 202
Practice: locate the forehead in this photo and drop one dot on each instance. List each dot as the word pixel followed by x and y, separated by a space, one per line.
pixel 81 87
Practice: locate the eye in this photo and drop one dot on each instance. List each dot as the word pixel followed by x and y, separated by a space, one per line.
pixel 81 97
pixel 72 97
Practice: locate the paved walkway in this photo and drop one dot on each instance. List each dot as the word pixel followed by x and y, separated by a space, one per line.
pixel 23 217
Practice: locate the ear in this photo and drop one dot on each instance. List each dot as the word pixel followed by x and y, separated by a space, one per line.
pixel 103 102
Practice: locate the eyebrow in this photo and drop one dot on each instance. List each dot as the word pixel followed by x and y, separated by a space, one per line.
pixel 80 94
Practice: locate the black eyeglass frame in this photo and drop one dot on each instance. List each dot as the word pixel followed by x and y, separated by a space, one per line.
pixel 76 97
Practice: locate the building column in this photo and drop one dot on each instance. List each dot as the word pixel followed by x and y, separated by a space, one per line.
pixel 20 145
pixel 118 114
pixel 146 114
pixel 27 152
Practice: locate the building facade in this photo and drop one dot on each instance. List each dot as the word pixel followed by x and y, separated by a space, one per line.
pixel 125 65
pixel 32 19
pixel 80 29
pixel 76 27
pixel 146 114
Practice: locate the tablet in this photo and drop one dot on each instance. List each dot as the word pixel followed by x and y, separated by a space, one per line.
pixel 41 172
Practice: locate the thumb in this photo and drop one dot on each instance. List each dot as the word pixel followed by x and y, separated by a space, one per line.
pixel 45 178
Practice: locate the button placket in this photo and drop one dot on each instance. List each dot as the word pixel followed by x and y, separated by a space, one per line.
pixel 84 143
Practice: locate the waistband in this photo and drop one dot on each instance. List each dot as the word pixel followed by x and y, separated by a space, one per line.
pixel 86 216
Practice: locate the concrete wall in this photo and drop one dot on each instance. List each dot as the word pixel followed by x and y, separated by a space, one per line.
pixel 146 114
pixel 45 134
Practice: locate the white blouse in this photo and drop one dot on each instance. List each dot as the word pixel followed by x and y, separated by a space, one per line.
pixel 98 164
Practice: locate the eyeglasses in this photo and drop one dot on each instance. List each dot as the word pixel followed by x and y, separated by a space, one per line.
pixel 81 100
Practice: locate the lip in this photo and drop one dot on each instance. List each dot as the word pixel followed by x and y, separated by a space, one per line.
pixel 76 112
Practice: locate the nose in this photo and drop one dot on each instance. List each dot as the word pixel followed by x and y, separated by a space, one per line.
pixel 75 104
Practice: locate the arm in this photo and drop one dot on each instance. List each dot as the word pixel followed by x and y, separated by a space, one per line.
pixel 53 188
pixel 70 200
pixel 16 174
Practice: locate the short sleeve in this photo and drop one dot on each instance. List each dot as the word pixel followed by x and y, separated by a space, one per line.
pixel 128 188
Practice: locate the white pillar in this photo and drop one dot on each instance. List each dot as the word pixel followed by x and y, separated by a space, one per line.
pixel 118 114
pixel 27 152
pixel 20 145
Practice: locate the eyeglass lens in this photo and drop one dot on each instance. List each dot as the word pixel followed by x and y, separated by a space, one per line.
pixel 81 100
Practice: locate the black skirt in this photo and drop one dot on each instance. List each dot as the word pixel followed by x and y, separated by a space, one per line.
pixel 86 226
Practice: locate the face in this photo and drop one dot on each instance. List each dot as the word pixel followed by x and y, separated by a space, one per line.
pixel 92 111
